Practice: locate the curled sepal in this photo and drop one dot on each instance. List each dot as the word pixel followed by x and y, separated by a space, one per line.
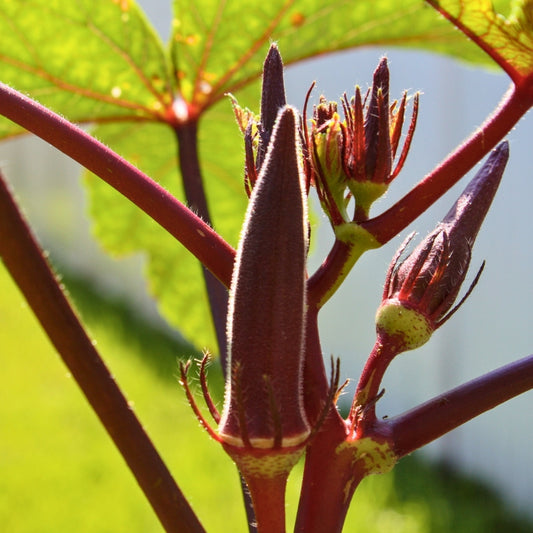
pixel 420 291
pixel 263 403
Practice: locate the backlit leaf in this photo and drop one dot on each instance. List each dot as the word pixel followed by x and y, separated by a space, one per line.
pixel 100 61
pixel 508 40
pixel 88 60
pixel 218 46
pixel 174 276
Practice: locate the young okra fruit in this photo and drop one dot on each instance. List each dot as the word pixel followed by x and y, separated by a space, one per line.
pixel 263 425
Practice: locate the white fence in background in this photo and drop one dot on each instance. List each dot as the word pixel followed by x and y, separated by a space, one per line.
pixel 493 327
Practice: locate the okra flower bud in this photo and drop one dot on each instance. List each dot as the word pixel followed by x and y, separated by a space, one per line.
pixel 420 291
pixel 355 157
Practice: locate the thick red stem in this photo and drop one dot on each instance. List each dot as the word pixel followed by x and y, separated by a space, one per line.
pixel 316 385
pixel 436 417
pixel 197 236
pixel 24 260
pixel 325 476
pixel 268 496
pixel 330 479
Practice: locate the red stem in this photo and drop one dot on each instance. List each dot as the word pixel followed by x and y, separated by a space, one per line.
pixel 330 479
pixel 511 109
pixel 187 135
pixel 326 474
pixel 363 411
pixel 328 274
pixel 28 267
pixel 315 385
pixel 268 496
pixel 436 417
pixel 197 236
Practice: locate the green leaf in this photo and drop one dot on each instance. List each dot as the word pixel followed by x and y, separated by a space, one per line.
pixel 174 275
pixel 88 60
pixel 509 41
pixel 219 46
pixel 100 61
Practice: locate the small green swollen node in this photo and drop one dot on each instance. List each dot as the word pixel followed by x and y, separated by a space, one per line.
pixel 376 455
pixel 409 327
pixel 366 193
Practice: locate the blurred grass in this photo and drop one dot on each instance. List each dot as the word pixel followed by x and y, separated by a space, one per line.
pixel 59 472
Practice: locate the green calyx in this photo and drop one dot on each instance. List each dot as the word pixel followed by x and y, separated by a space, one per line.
pixel 366 193
pixel 410 327
pixel 377 457
pixel 354 235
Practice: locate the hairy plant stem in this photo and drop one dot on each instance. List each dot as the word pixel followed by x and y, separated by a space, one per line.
pixel 28 267
pixel 197 236
pixel 187 135
pixel 515 103
pixel 269 503
pixel 316 386
pixel 315 511
pixel 330 478
pixel 363 411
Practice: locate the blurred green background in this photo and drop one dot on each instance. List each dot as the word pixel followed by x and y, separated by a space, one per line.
pixel 59 471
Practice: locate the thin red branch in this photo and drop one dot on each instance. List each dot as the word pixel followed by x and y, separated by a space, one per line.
pixel 26 263
pixel 197 236
pixel 187 136
pixel 436 417
pixel 512 108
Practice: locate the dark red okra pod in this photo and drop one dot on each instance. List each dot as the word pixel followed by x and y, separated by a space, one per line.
pixel 263 405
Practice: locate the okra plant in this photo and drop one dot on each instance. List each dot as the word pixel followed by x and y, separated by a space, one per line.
pixel 263 300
